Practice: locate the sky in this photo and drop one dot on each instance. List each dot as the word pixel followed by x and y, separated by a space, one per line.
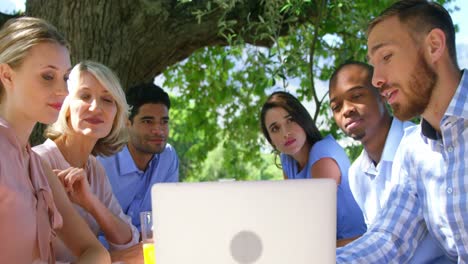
pixel 461 37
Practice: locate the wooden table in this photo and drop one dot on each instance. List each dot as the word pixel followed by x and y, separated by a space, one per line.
pixel 132 255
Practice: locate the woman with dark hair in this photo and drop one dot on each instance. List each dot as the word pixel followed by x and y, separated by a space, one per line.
pixel 305 154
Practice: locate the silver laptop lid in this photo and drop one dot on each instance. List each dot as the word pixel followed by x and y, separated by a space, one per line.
pixel 263 222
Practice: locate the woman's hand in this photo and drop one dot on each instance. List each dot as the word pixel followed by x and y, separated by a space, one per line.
pixel 76 184
pixel 75 233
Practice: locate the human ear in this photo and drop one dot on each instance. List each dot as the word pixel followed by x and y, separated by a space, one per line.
pixel 6 73
pixel 128 123
pixel 435 43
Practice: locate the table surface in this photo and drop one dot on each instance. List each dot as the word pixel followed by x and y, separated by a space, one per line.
pixel 132 255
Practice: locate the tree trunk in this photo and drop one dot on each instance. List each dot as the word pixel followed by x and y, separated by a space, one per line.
pixel 139 39
pixel 37 135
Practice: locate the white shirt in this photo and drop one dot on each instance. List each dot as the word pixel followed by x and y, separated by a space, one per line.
pixel 370 184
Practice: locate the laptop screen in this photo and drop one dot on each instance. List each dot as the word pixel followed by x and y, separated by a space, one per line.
pixel 263 222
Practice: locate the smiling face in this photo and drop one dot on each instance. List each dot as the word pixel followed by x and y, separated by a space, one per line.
pixel 92 108
pixel 356 105
pixel 401 71
pixel 38 86
pixel 286 135
pixel 149 129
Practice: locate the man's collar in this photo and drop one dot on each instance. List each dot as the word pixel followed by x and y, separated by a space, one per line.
pixel 127 164
pixel 456 108
pixel 394 136
pixel 429 131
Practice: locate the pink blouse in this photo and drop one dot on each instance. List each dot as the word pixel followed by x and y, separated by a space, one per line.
pixel 99 185
pixel 27 210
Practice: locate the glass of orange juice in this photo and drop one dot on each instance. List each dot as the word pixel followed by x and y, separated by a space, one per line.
pixel 146 221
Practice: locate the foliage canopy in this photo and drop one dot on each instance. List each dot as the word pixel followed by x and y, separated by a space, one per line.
pixel 220 59
pixel 220 90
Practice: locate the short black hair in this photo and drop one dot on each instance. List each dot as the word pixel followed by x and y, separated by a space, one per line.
pixel 369 69
pixel 146 93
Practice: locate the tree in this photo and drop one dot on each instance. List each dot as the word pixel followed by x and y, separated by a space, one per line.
pixel 220 58
pixel 139 39
pixel 230 83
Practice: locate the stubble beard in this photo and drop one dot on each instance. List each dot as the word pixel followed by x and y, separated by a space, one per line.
pixel 357 136
pixel 420 88
pixel 152 150
pixel 142 147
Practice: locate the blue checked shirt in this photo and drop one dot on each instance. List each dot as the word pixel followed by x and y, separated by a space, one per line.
pixel 429 196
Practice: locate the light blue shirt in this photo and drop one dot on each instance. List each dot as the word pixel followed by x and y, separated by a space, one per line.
pixel 430 196
pixel 131 186
pixel 372 184
pixel 350 222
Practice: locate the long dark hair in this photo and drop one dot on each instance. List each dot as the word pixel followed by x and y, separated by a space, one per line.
pixel 297 111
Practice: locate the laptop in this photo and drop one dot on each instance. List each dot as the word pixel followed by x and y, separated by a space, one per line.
pixel 250 222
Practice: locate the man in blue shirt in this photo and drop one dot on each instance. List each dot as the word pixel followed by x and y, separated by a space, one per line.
pixel 412 48
pixel 147 158
pixel 360 111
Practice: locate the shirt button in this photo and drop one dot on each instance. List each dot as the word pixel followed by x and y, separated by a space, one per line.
pixel 450 149
pixel 449 190
pixel 457 236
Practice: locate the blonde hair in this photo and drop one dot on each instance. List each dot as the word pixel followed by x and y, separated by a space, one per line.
pixel 19 35
pixel 117 137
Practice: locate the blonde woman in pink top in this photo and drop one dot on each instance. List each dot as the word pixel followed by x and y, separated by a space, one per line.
pixel 34 65
pixel 91 122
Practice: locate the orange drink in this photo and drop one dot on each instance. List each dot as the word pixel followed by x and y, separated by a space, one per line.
pixel 148 253
pixel 146 221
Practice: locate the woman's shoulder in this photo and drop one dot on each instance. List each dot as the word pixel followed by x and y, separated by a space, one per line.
pixel 326 145
pixel 285 160
pixel 93 166
pixel 50 153
pixel 98 181
pixel 47 148
pixel 95 170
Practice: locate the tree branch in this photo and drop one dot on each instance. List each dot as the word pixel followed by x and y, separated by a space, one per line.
pixel 139 39
pixel 318 19
pixel 4 17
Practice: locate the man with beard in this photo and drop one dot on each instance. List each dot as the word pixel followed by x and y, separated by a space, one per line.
pixel 412 48
pixel 360 111
pixel 147 158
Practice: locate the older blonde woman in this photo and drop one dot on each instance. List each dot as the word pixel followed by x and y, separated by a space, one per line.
pixel 91 122
pixel 34 67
